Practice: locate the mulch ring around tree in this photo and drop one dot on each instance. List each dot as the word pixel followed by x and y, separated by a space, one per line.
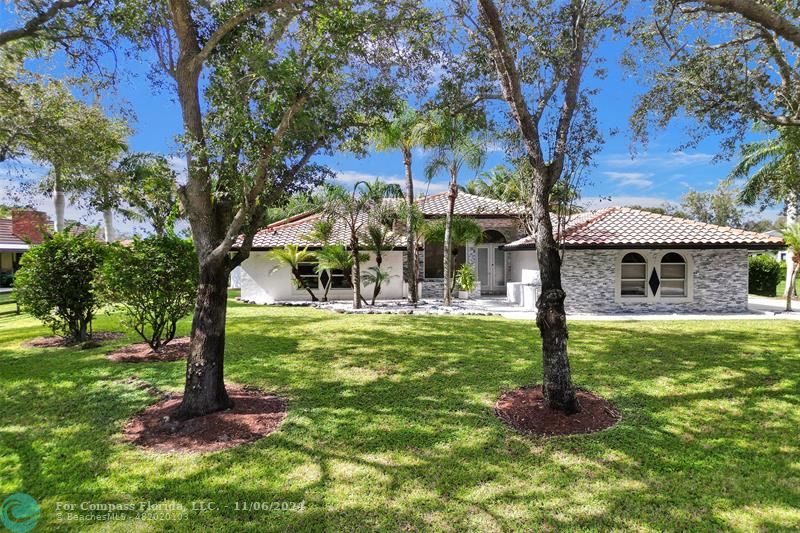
pixel 176 350
pixel 63 342
pixel 524 410
pixel 255 414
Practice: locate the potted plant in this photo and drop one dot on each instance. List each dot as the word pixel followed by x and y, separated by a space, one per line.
pixel 465 279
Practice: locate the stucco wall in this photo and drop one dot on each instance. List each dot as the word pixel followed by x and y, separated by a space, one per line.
pixel 261 285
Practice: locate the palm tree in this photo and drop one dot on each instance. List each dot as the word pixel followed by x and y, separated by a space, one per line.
pixel 791 235
pixel 376 276
pixel 455 146
pixel 772 170
pixel 292 256
pixel 378 238
pixel 402 133
pixel 321 232
pixel 463 231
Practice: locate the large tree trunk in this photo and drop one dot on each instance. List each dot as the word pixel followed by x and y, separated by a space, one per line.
pixel 411 241
pixel 791 218
pixel 452 194
pixel 551 318
pixel 108 222
pixel 59 200
pixel 205 392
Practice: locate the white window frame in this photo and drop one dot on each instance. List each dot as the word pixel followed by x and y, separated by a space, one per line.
pixel 653 260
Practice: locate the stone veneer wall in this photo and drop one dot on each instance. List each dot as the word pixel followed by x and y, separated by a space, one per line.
pixel 719 282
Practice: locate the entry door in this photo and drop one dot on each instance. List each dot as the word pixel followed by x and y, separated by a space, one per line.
pixel 491 268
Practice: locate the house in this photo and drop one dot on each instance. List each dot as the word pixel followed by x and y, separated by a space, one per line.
pixel 16 235
pixel 615 260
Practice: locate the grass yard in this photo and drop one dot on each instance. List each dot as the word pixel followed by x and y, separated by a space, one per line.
pixel 390 427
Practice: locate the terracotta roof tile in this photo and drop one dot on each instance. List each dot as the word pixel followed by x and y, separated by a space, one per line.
pixel 615 227
pixel 466 205
pixel 7 237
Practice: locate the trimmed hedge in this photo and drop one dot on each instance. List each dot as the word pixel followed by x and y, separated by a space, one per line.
pixel 764 274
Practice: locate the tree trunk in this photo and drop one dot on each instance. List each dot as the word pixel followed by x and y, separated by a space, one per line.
pixel 356 274
pixel 59 200
pixel 328 284
pixel 301 282
pixel 551 318
pixel 452 194
pixel 411 241
pixel 108 221
pixel 792 284
pixel 205 392
pixel 791 218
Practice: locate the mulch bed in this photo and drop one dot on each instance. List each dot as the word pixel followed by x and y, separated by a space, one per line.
pixel 254 415
pixel 141 352
pixel 524 410
pixel 62 342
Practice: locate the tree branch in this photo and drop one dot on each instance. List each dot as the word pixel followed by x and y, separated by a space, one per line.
pixel 37 23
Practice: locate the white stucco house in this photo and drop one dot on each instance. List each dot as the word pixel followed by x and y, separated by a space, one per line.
pixel 615 260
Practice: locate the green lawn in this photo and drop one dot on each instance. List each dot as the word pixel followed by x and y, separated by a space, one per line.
pixel 390 427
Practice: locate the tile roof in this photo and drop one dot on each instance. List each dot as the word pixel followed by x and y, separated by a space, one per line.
pixel 467 205
pixel 294 230
pixel 7 238
pixel 623 227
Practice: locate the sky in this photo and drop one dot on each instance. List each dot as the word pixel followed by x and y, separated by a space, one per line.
pixel 624 173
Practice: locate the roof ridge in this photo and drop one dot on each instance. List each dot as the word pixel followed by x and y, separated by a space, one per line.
pixel 598 215
pixel 300 217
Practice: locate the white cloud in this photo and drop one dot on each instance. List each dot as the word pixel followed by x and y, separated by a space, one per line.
pixel 663 160
pixel 350 177
pixel 640 180
pixel 598 202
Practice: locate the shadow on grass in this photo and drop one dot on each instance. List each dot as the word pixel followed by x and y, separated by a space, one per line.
pixel 390 427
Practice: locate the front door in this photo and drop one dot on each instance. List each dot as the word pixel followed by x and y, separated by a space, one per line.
pixel 492 268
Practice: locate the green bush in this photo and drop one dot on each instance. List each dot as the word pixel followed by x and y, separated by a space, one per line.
pixel 6 280
pixel 154 282
pixel 465 278
pixel 56 282
pixel 764 274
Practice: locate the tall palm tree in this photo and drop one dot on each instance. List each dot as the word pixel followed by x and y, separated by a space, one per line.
pixel 772 170
pixel 401 133
pixel 321 232
pixel 791 235
pixel 292 256
pixel 455 146
pixel 376 276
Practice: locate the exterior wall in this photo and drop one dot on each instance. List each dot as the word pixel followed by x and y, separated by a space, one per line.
pixel 6 262
pixel 717 283
pixel 523 266
pixel 261 285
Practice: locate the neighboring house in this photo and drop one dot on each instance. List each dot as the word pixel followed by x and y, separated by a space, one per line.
pixel 17 234
pixel 615 260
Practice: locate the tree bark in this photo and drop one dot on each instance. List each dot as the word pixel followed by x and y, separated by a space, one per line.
pixel 411 241
pixel 791 218
pixel 551 318
pixel 108 222
pixel 791 286
pixel 452 194
pixel 205 392
pixel 356 274
pixel 59 200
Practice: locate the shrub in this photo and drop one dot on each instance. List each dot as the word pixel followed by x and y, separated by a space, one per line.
pixel 56 282
pixel 764 274
pixel 154 282
pixel 465 278
pixel 6 280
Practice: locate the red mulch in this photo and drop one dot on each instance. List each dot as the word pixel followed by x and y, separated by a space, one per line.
pixel 254 415
pixel 524 410
pixel 141 352
pixel 61 342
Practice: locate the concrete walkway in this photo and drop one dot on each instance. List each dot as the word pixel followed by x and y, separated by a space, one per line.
pixel 760 309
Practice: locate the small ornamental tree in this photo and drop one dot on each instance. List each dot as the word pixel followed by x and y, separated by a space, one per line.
pixel 154 281
pixel 764 274
pixel 56 282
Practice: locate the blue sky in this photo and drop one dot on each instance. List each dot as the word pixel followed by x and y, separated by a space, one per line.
pixel 652 175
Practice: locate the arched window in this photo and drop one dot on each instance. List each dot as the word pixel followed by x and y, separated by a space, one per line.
pixel 673 276
pixel 633 276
